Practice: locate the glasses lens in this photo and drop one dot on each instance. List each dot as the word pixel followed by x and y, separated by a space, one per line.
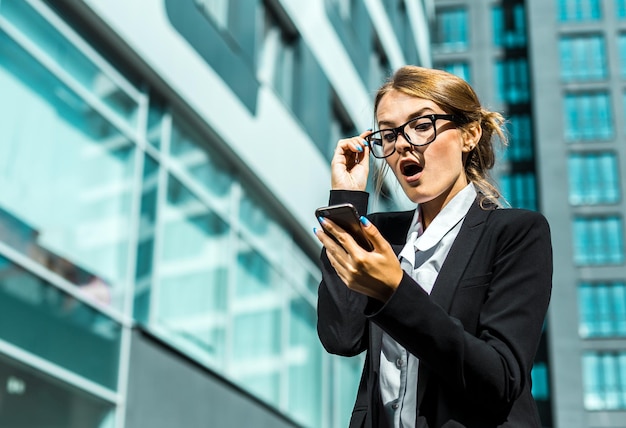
pixel 382 143
pixel 376 144
pixel 421 131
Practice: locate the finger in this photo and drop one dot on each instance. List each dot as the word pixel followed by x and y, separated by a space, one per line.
pixel 344 239
pixel 327 241
pixel 353 145
pixel 372 233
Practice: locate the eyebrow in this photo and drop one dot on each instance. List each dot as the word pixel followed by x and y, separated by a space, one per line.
pixel 420 112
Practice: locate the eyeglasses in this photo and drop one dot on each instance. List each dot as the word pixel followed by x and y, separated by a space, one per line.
pixel 418 131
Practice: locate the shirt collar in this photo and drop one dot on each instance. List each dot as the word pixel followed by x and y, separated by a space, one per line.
pixel 451 214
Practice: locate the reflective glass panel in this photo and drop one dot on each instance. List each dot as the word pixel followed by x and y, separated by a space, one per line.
pixel 583 58
pixel 598 240
pixel 344 382
pixel 602 308
pixel 262 227
pixel 579 10
pixel 258 324
pixel 53 325
pixel 512 84
pixel 451 30
pixel 304 357
pixel 71 60
pixel 202 163
pixel 509 26
pixel 593 179
pixel 192 273
pixel 604 380
pixel 33 399
pixel 66 175
pixel 620 6
pixel 519 190
pixel 461 69
pixel 588 116
pixel 146 239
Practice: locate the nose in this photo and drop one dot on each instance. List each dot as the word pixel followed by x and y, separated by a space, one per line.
pixel 402 143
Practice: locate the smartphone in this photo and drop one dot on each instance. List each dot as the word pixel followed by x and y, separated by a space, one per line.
pixel 346 217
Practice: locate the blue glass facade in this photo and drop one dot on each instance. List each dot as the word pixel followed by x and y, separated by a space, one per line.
pixel 556 70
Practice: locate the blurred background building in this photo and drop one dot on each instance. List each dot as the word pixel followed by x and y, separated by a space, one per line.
pixel 557 69
pixel 160 162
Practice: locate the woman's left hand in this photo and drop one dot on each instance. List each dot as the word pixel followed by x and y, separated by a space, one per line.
pixel 375 273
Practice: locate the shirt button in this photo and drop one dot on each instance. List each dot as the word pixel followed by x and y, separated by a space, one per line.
pixel 395 406
pixel 399 362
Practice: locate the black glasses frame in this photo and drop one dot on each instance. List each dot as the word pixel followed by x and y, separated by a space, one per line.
pixel 400 130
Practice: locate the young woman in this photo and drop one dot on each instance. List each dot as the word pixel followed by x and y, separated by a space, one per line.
pixel 450 303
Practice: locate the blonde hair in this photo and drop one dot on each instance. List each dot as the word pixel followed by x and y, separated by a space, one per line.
pixel 455 96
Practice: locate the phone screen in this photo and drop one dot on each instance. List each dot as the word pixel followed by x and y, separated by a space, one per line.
pixel 346 217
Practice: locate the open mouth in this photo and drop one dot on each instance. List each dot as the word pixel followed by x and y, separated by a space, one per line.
pixel 409 169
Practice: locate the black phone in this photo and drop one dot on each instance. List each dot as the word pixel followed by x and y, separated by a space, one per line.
pixel 346 217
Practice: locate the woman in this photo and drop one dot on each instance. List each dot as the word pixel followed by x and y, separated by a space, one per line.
pixel 450 303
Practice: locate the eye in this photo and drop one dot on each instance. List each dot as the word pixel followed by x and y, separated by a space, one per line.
pixel 375 139
pixel 422 125
pixel 388 136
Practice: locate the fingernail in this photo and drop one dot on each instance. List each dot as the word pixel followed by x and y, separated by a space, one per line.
pixel 366 143
pixel 359 148
pixel 320 219
pixel 315 231
pixel 364 221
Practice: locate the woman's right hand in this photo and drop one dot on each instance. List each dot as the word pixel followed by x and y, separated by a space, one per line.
pixel 350 164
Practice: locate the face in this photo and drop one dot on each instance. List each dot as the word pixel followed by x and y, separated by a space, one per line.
pixel 429 175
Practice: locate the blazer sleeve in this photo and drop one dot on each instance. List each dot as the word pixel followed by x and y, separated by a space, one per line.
pixel 487 360
pixel 341 321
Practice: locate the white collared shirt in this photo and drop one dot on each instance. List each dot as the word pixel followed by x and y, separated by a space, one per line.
pixel 422 257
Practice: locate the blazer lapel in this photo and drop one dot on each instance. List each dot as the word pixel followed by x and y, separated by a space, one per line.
pixel 459 255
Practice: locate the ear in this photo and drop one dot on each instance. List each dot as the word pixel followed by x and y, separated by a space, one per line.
pixel 471 136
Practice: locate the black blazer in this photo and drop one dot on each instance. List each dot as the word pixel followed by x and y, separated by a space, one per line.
pixel 475 335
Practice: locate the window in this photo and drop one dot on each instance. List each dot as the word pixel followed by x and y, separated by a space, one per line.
pixel 451 30
pixel 621 44
pixel 521 139
pixel 42 320
pixel 379 67
pixel 279 57
pixel 519 190
pixel 67 198
pixel 588 116
pixel 602 307
pixel 340 127
pixel 593 178
pixel 512 85
pixel 56 402
pixel 509 26
pixel 579 10
pixel 604 380
pixel 582 58
pixel 620 7
pixel 598 240
pixel 461 69
pixel 406 37
pixel 541 383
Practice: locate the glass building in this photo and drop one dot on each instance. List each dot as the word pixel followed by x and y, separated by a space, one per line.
pixel 160 166
pixel 556 69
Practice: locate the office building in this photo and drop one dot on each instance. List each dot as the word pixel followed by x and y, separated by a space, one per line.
pixel 160 166
pixel 556 69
